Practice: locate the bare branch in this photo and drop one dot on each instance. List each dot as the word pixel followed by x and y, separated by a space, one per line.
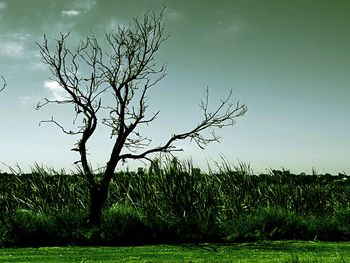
pixel 224 115
pixel 4 83
pixel 60 126
pixel 111 87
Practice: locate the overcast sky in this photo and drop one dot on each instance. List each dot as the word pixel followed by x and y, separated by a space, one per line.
pixel 287 60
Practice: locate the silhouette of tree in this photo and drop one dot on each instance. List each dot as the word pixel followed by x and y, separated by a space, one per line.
pixel 124 72
pixel 4 83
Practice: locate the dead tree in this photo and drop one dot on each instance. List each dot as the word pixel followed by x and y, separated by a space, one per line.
pixel 124 72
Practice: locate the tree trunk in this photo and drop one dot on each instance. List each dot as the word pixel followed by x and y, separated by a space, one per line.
pixel 99 194
pixel 98 197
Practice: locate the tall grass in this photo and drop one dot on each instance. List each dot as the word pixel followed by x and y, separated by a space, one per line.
pixel 178 195
pixel 43 190
pixel 174 199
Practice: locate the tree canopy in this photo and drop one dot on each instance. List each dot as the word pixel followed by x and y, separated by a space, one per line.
pixel 124 71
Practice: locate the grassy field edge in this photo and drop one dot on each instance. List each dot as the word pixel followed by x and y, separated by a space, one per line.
pixel 263 251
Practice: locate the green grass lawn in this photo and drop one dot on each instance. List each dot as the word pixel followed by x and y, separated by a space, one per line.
pixel 279 251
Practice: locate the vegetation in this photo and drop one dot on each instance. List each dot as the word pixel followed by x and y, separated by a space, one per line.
pixel 124 71
pixel 276 251
pixel 174 202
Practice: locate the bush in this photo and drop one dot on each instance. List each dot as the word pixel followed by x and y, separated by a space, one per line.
pixel 342 219
pixel 325 228
pixel 27 228
pixel 174 202
pixel 124 224
pixel 268 223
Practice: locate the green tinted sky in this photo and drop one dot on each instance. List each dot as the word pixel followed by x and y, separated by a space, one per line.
pixel 288 60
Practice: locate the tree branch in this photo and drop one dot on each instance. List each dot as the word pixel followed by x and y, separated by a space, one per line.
pixel 4 83
pixel 125 71
pixel 70 132
pixel 223 116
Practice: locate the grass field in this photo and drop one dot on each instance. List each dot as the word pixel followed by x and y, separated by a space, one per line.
pixel 174 202
pixel 266 251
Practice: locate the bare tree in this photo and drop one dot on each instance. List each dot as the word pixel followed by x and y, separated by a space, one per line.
pixel 125 71
pixel 4 84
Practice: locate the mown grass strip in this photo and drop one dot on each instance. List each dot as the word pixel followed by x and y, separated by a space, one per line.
pixel 277 251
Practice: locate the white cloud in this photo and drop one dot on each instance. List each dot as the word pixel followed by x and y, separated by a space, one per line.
pixel 11 48
pixel 2 6
pixel 26 100
pixel 38 66
pixel 13 44
pixel 231 27
pixel 85 5
pixel 224 30
pixel 55 88
pixel 56 28
pixel 114 24
pixel 79 7
pixel 175 15
pixel 70 12
pixel 18 36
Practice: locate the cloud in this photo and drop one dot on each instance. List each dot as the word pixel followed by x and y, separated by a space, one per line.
pixel 26 100
pixel 78 7
pixel 11 48
pixel 56 28
pixel 223 30
pixel 70 12
pixel 231 29
pixel 2 6
pixel 56 90
pixel 13 44
pixel 175 15
pixel 17 36
pixel 38 66
pixel 114 24
pixel 85 5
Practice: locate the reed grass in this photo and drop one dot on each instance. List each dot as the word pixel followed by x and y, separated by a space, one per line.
pixel 175 199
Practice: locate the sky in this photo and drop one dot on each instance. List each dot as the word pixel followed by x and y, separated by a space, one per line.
pixel 287 61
